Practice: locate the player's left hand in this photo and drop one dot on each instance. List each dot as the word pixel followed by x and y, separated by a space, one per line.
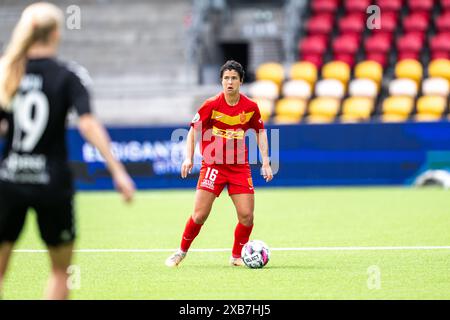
pixel 267 172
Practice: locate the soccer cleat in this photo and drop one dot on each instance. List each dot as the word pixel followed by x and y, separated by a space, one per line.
pixel 236 262
pixel 175 259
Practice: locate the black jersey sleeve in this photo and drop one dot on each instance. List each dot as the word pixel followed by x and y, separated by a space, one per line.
pixel 79 96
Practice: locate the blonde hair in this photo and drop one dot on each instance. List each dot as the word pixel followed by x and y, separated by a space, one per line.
pixel 36 24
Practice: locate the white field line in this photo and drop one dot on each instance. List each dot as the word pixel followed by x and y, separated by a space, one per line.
pixel 228 249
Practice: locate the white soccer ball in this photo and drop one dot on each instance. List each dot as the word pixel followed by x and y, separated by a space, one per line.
pixel 255 254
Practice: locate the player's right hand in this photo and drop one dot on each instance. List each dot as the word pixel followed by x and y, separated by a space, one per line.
pixel 186 168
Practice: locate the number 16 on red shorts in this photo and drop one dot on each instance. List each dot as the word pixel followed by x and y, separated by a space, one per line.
pixel 237 178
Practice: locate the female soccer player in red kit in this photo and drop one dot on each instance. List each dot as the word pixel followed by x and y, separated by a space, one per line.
pixel 222 122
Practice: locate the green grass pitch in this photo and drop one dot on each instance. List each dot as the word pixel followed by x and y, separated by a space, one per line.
pixel 284 218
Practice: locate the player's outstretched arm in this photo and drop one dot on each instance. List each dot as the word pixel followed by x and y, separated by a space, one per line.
pixel 264 149
pixel 186 166
pixel 95 133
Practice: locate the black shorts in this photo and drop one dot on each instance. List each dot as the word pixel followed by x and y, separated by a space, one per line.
pixel 54 210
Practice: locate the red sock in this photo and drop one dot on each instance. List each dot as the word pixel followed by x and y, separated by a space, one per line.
pixel 241 236
pixel 190 232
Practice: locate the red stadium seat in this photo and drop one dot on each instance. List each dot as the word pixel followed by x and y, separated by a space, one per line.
pixel 313 45
pixel 377 46
pixel 388 24
pixel 356 5
pixel 315 59
pixel 319 6
pixel 345 43
pixel 345 57
pixel 352 23
pixel 420 5
pixel 389 5
pixel 320 24
pixel 409 46
pixel 440 46
pixel 445 4
pixel 443 22
pixel 381 58
pixel 378 42
pixel 415 22
pixel 345 47
pixel 416 34
pixel 311 49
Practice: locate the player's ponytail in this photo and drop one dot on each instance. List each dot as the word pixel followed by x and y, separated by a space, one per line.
pixel 35 25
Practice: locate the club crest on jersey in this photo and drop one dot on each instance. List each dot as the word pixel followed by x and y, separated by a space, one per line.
pixel 242 117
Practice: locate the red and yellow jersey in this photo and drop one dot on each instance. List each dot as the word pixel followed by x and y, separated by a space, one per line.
pixel 223 129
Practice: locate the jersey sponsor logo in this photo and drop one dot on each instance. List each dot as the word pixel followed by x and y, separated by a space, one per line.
pixel 206 183
pixel 228 133
pixel 25 162
pixel 18 168
pixel 241 118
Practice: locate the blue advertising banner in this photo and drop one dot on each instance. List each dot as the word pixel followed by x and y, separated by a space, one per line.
pixel 303 155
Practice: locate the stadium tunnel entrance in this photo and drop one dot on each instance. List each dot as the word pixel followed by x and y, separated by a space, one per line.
pixel 238 51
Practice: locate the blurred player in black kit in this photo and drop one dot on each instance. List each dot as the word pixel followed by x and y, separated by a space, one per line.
pixel 36 93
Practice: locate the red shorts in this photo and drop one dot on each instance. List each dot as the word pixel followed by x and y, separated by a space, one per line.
pixel 215 177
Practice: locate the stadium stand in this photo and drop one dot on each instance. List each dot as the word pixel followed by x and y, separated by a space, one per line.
pixel 349 73
pixel 365 74
pixel 135 54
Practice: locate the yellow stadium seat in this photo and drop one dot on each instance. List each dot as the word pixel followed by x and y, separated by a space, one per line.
pixel 281 119
pixel 290 107
pixel 317 118
pixel 271 71
pixel 398 105
pixel 350 118
pixel 393 117
pixel 336 70
pixel 439 68
pixel 304 71
pixel 323 109
pixel 357 108
pixel 427 117
pixel 433 105
pixel 265 108
pixel 409 68
pixel 369 70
